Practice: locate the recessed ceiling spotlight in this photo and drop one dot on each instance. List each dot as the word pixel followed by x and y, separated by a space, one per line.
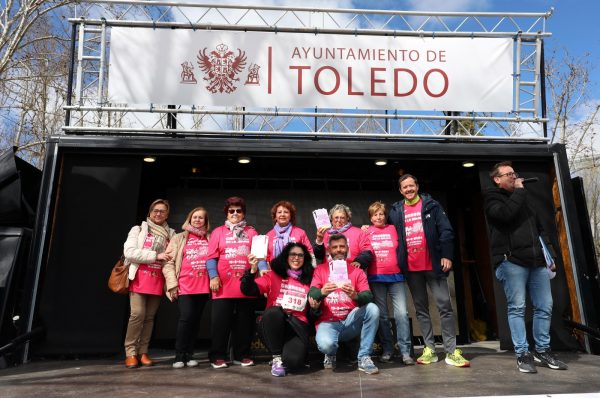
pixel 380 162
pixel 244 160
pixel 149 159
pixel 468 163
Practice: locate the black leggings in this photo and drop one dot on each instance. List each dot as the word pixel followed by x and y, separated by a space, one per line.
pixel 190 312
pixel 285 335
pixel 233 316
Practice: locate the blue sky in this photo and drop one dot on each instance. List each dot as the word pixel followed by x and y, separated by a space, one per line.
pixel 574 25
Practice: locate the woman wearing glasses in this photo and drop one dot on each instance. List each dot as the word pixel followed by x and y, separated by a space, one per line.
pixel 232 310
pixel 144 250
pixel 284 231
pixel 284 326
pixel 187 282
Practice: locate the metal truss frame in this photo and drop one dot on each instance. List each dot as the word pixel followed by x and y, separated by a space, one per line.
pixel 89 112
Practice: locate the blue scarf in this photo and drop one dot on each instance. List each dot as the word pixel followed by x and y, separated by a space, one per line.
pixel 282 238
pixel 341 230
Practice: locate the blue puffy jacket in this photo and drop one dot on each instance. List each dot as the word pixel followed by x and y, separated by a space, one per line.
pixel 438 233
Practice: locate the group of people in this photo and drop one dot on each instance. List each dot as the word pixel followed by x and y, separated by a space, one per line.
pixel 340 283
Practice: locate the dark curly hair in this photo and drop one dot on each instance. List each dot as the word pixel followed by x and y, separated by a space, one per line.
pixel 279 265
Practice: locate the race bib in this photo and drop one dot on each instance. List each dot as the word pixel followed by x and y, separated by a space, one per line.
pixel 293 301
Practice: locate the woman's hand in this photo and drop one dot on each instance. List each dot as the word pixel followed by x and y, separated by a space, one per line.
pixel 163 257
pixel 320 234
pixel 365 228
pixel 215 284
pixel 253 263
pixel 174 292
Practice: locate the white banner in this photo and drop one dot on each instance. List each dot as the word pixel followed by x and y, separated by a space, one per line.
pixel 256 69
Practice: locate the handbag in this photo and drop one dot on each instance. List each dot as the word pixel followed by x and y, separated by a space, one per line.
pixel 118 281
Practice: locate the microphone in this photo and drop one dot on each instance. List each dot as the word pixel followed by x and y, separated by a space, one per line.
pixel 530 179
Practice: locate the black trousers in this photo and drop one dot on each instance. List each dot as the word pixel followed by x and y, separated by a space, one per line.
pixel 235 317
pixel 190 312
pixel 285 335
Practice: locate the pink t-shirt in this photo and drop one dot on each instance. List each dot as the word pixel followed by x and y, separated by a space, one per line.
pixel 232 255
pixel 288 293
pixel 297 235
pixel 358 241
pixel 416 244
pixel 337 305
pixel 193 277
pixel 149 278
pixel 384 242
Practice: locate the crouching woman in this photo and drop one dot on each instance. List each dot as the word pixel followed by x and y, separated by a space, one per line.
pixel 284 326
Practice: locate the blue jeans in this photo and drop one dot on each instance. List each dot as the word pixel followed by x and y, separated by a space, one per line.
pixel 361 321
pixel 517 280
pixel 397 292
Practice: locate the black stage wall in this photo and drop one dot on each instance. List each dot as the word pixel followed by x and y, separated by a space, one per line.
pixel 99 196
pixel 96 205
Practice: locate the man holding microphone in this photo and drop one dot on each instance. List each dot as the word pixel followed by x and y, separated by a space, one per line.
pixel 518 258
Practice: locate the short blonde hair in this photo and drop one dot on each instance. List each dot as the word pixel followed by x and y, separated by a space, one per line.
pixel 375 207
pixel 159 202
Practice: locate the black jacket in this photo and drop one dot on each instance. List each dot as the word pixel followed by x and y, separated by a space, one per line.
pixel 437 228
pixel 514 228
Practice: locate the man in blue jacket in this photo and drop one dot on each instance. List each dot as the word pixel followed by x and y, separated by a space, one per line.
pixel 425 251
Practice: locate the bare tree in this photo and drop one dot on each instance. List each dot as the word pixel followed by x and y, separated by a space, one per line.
pixel 17 19
pixel 33 70
pixel 575 122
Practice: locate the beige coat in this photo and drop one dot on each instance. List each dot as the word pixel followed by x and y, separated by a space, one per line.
pixel 172 268
pixel 133 248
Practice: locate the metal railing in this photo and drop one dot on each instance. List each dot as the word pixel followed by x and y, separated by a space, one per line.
pixel 92 113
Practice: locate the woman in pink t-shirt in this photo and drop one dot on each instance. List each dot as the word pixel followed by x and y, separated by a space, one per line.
pixel 284 325
pixel 187 282
pixel 386 279
pixel 144 251
pixel 232 311
pixel 285 230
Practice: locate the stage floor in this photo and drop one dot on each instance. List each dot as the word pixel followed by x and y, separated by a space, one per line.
pixel 492 373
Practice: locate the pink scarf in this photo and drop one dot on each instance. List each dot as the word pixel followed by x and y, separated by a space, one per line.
pixel 199 232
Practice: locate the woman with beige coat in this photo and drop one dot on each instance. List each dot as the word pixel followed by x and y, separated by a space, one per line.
pixel 144 251
pixel 187 282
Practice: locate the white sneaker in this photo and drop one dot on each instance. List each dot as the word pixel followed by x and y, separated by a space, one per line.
pixel 192 363
pixel 178 365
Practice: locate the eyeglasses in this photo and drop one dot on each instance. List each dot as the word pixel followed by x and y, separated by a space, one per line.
pixel 159 211
pixel 511 174
pixel 232 211
pixel 297 255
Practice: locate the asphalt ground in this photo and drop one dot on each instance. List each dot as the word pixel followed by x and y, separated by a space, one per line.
pixel 492 373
